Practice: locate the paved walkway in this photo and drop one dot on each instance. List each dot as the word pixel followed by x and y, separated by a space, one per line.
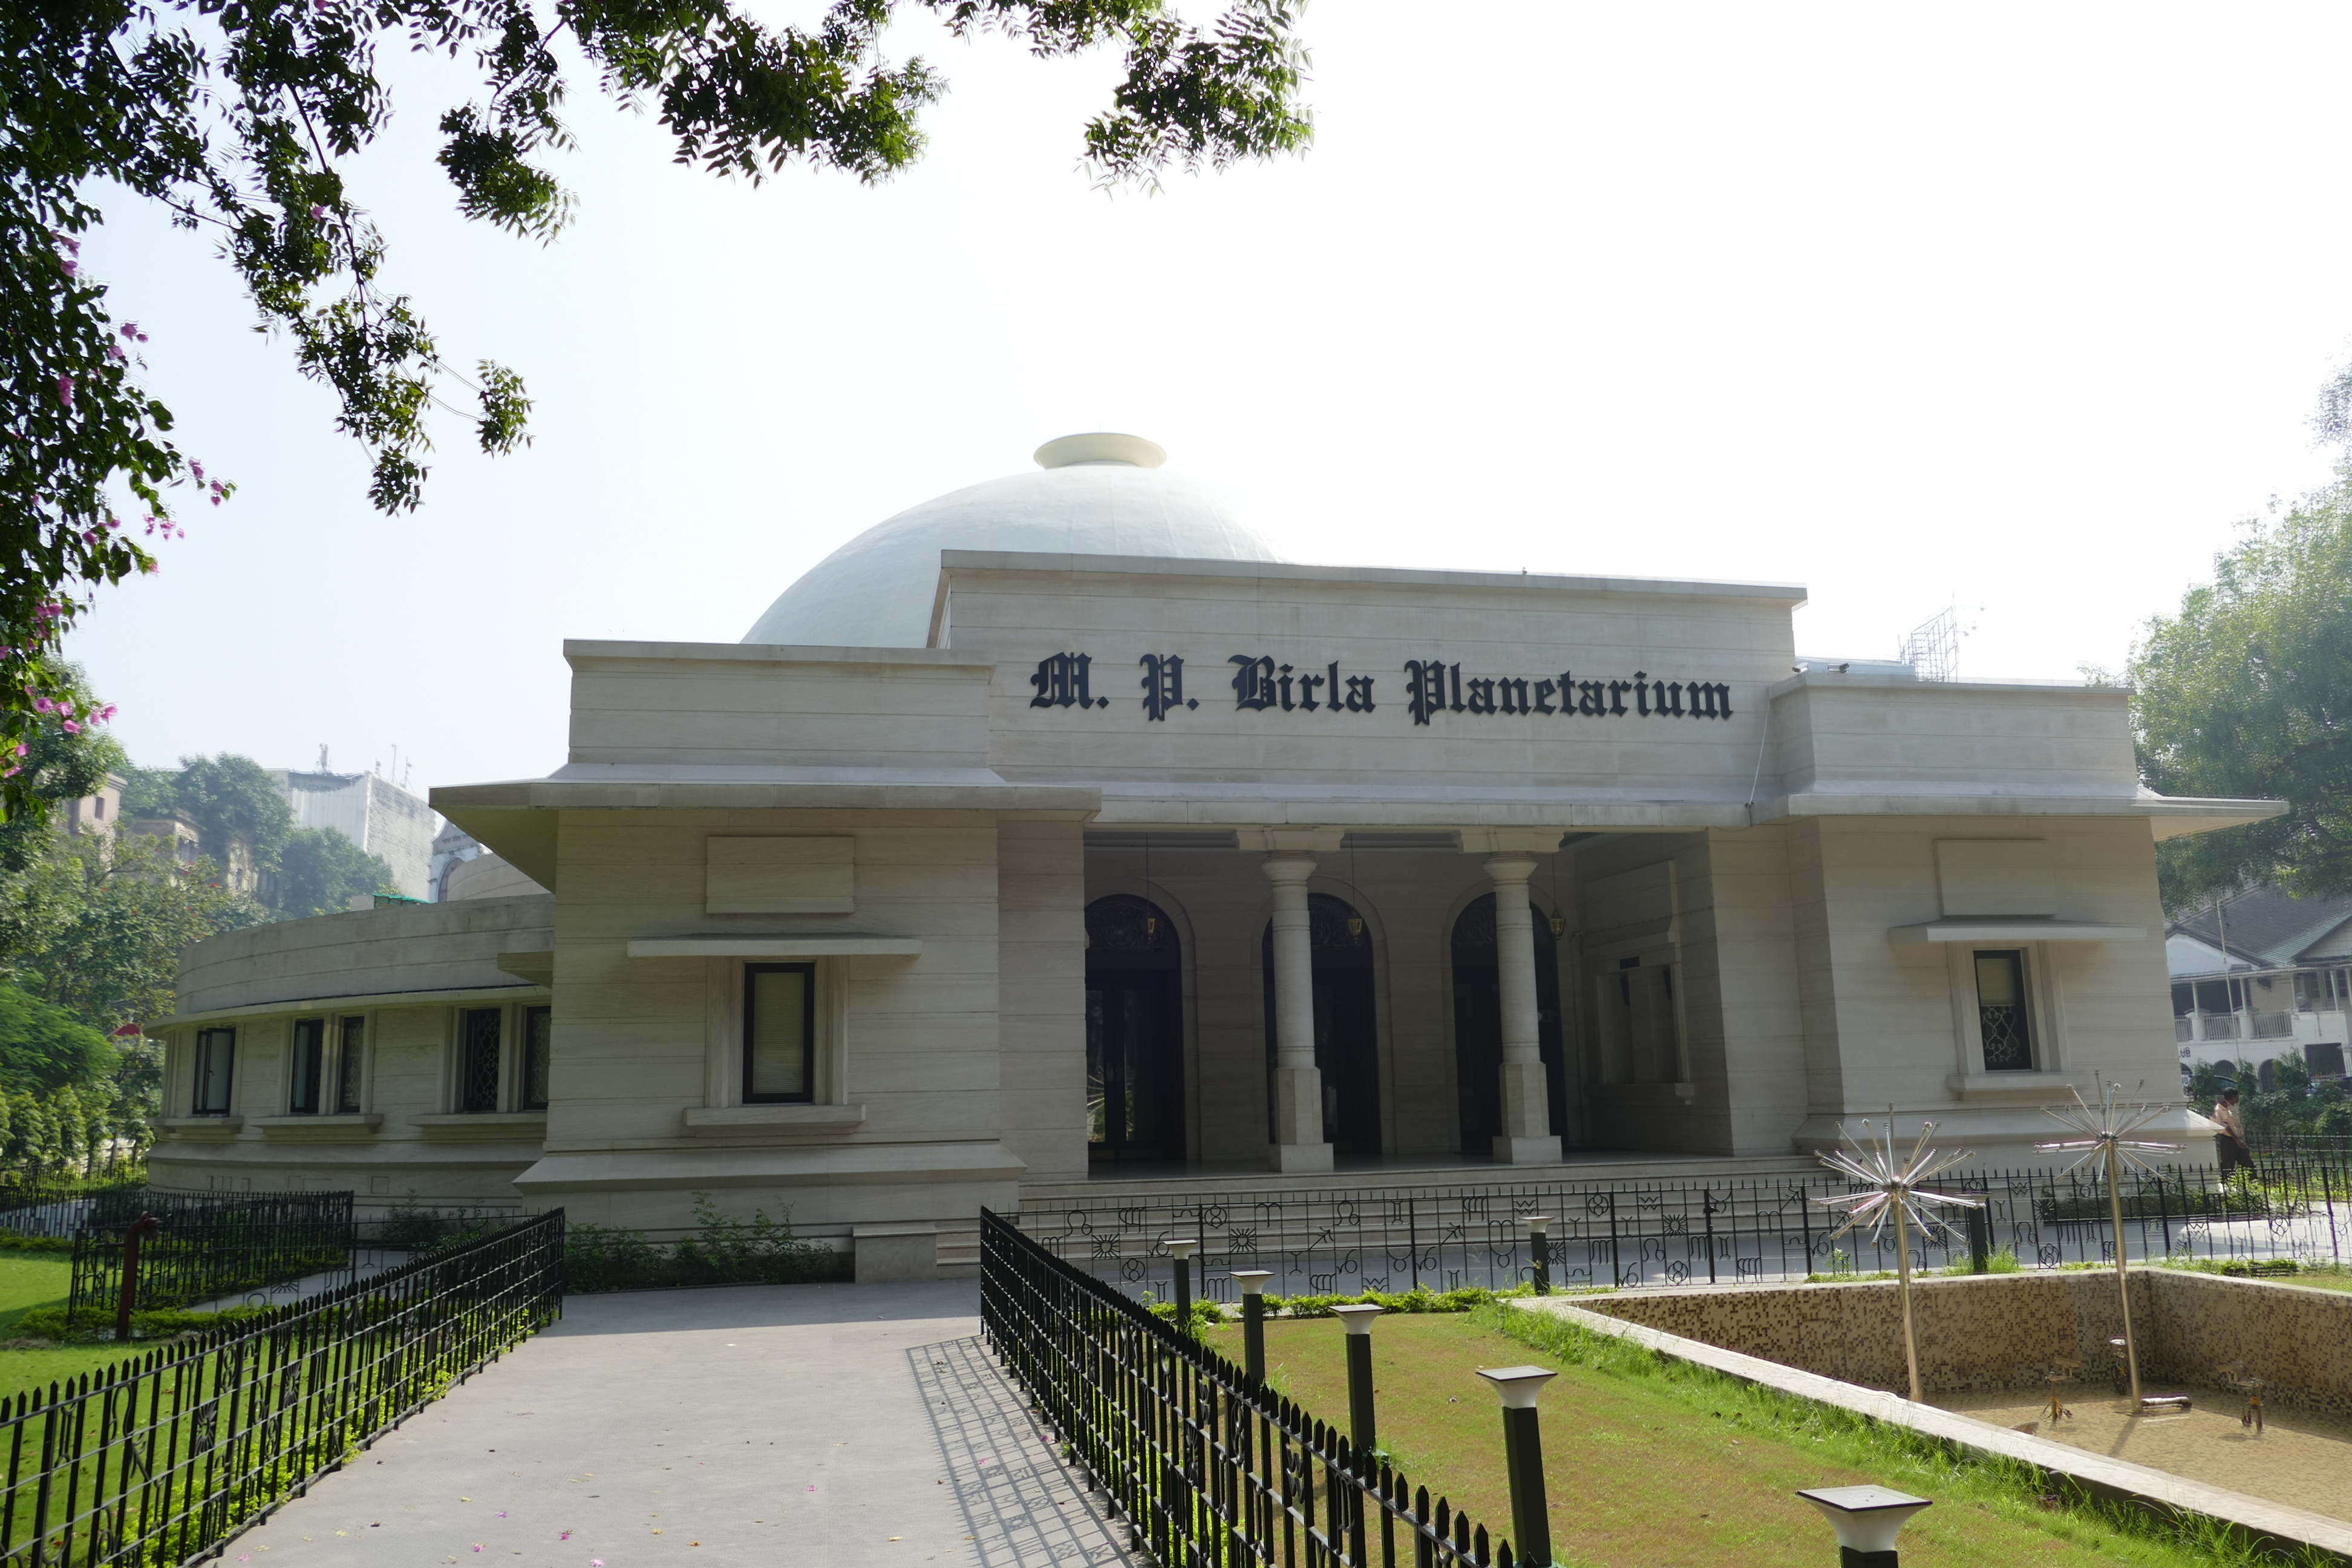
pixel 794 1424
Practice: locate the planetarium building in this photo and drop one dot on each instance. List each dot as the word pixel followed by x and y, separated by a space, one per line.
pixel 1054 833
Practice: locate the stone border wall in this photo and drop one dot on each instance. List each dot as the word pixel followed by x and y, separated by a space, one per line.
pixel 1999 1331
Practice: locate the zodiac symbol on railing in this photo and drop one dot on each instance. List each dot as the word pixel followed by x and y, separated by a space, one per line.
pixel 1596 1204
pixel 1677 1272
pixel 1474 1206
pixel 1649 1199
pixel 1130 1269
pixel 1213 1216
pixel 1345 1212
pixel 1400 1211
pixel 1242 1244
pixel 1747 1269
pixel 2050 1256
pixel 1678 1224
pixel 1134 1216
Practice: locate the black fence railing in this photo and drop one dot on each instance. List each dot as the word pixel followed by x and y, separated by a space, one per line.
pixel 210 1246
pixel 162 1459
pixel 1318 1243
pixel 53 1210
pixel 1206 1466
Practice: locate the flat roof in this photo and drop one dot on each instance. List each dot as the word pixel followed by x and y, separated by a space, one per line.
pixel 1036 561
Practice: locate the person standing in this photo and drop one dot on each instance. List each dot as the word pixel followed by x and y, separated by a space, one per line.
pixel 2230 1145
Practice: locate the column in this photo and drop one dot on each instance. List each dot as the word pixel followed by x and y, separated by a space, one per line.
pixel 1526 1138
pixel 1299 1142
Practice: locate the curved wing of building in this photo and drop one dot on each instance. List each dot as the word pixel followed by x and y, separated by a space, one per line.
pixel 1054 833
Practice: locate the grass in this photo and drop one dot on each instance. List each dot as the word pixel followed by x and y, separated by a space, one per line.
pixel 1649 1464
pixel 34 1282
pixel 2318 1276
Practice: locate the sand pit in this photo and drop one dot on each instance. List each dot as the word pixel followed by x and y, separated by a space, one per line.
pixel 2302 1457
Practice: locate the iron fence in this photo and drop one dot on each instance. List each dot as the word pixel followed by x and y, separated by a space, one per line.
pixel 53 1210
pixel 161 1459
pixel 211 1245
pixel 1206 1466
pixel 1604 1234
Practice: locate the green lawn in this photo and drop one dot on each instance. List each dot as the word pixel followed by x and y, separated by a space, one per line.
pixel 30 1279
pixel 1650 1466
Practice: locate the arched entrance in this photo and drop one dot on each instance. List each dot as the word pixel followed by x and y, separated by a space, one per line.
pixel 1347 1040
pixel 1478 1024
pixel 1135 1033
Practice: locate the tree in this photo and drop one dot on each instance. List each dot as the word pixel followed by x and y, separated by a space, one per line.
pixel 321 871
pixel 44 1047
pixel 231 799
pixel 60 758
pixel 2247 693
pixel 238 118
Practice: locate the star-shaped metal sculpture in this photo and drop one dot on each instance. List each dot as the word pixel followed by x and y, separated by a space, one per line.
pixel 1890 1189
pixel 1889 1182
pixel 2105 1135
pixel 2108 1125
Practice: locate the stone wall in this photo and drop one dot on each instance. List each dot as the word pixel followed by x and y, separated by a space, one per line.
pixel 1999 1331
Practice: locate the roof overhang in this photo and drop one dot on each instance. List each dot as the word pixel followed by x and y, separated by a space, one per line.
pixel 2016 928
pixel 814 945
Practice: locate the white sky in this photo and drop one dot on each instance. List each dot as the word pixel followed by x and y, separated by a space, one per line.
pixel 2020 307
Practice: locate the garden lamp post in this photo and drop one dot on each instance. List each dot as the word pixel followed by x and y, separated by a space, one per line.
pixel 1523 1458
pixel 1867 1520
pixel 1539 1250
pixel 1360 1431
pixel 2104 1134
pixel 1181 1251
pixel 1253 1284
pixel 1890 1186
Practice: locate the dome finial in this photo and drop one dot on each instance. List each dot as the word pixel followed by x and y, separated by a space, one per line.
pixel 1100 447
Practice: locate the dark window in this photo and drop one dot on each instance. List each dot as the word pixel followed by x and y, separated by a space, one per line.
pixel 2000 1012
pixel 2184 999
pixel 309 1062
pixel 350 1071
pixel 779 1033
pixel 216 1057
pixel 478 1064
pixel 538 1045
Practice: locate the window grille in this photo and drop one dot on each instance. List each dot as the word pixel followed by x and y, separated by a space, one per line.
pixel 350 1071
pixel 537 1047
pixel 2000 1012
pixel 309 1061
pixel 478 1069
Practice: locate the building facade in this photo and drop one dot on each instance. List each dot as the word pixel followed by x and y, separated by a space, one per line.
pixel 1053 832
pixel 373 813
pixel 2259 975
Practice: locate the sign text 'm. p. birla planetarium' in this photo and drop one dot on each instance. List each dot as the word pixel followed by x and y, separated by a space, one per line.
pixel 1432 686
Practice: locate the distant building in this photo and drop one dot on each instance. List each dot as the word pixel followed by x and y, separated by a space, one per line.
pixel 2263 974
pixel 373 813
pixel 94 814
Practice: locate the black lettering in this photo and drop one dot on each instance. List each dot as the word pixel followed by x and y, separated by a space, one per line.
pixel 1360 694
pixel 1641 693
pixel 1252 682
pixel 1285 689
pixel 1710 700
pixel 1163 685
pixel 1511 692
pixel 1307 684
pixel 1589 699
pixel 1617 696
pixel 1425 695
pixel 1457 671
pixel 1331 691
pixel 1061 681
pixel 1544 689
pixel 1675 689
pixel 1481 696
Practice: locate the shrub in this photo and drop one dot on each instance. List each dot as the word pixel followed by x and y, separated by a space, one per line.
pixel 723 1251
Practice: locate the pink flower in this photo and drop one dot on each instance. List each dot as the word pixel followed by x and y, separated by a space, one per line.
pixel 40 704
pixel 478 1545
pixel 114 352
pixel 73 245
pixel 106 712
pixel 20 748
pixel 72 728
pixel 70 266
pixel 197 469
pixel 130 328
pixel 318 212
pixel 64 390
pixel 502 1513
pixel 565 1536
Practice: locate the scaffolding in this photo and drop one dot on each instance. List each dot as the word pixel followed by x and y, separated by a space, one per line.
pixel 1933 648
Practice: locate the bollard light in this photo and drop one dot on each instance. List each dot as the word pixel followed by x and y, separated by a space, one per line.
pixel 1523 1458
pixel 1182 1250
pixel 1361 1432
pixel 1867 1520
pixel 1253 1284
pixel 1539 1249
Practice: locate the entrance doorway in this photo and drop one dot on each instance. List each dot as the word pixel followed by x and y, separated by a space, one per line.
pixel 1135 1033
pixel 1347 1038
pixel 1478 1024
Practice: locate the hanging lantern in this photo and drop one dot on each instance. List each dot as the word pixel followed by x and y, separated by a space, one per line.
pixel 1150 927
pixel 1558 924
pixel 1355 925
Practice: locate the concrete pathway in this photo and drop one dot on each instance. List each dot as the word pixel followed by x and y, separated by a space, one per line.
pixel 794 1424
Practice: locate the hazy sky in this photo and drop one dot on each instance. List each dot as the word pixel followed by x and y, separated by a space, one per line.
pixel 2018 307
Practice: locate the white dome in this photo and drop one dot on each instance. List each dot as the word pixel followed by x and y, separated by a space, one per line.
pixel 1097 495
